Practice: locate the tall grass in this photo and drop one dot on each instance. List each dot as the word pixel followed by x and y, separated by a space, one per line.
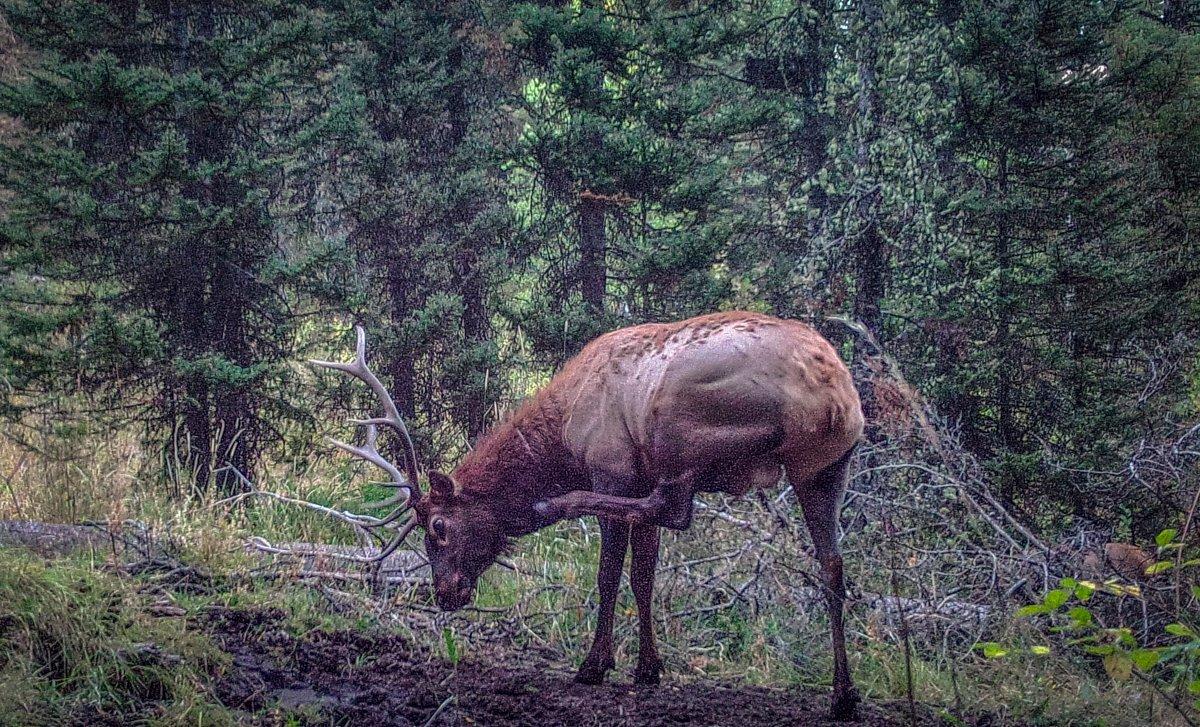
pixel 77 646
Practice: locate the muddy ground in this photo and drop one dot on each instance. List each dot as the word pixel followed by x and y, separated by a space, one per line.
pixel 357 678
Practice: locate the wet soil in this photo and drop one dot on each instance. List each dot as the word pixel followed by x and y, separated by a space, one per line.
pixel 363 678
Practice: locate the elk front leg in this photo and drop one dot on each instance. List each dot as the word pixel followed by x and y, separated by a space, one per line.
pixel 643 541
pixel 627 510
pixel 614 541
pixel 669 504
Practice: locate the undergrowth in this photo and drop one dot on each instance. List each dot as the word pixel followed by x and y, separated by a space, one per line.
pixel 69 628
pixel 78 646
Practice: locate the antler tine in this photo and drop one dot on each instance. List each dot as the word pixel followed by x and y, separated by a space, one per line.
pixel 372 455
pixel 404 499
pixel 398 540
pixel 391 415
pixel 405 481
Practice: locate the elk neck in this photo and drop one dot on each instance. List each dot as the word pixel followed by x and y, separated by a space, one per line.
pixel 520 461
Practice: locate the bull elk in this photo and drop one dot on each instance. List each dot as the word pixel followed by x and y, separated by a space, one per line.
pixel 630 430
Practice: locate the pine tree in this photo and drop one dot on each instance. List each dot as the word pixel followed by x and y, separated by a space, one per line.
pixel 142 182
pixel 413 182
pixel 614 115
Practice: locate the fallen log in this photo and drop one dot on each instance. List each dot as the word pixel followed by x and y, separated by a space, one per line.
pixel 56 540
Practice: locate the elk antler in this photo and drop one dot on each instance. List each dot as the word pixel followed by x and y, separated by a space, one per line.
pixel 406 481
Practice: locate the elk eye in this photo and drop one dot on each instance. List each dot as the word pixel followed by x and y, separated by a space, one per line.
pixel 438 526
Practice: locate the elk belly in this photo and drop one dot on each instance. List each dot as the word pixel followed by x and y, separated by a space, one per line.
pixel 745 475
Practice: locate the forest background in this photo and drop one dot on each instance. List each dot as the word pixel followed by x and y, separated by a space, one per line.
pixel 990 207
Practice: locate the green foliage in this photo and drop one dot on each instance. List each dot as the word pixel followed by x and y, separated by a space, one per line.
pixel 1067 616
pixel 78 645
pixel 141 197
pixel 1006 191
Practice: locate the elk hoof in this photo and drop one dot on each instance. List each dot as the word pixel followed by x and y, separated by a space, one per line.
pixel 845 705
pixel 592 673
pixel 648 672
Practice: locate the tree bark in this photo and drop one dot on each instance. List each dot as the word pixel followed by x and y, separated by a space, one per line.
pixel 869 250
pixel 593 251
pixel 467 273
pixel 189 326
pixel 1004 356
pixel 401 365
pixel 870 256
pixel 1180 14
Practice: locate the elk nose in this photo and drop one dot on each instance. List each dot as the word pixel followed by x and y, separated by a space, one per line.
pixel 454 593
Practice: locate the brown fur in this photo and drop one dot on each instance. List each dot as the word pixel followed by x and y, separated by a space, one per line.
pixel 630 430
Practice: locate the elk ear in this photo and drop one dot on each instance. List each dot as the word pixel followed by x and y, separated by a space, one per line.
pixel 441 485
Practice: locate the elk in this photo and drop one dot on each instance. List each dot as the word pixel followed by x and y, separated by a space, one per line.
pixel 629 430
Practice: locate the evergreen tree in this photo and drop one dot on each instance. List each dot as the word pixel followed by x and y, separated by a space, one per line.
pixel 408 141
pixel 142 180
pixel 619 230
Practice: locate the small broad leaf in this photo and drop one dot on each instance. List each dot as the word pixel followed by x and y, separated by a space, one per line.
pixel 1056 598
pixel 1068 584
pixel 1196 591
pixel 1145 659
pixel 993 650
pixel 1178 629
pixel 1032 610
pixel 1102 650
pixel 1124 636
pixel 1040 650
pixel 1165 537
pixel 1084 591
pixel 1118 666
pixel 1081 616
pixel 1161 566
pixel 1194 686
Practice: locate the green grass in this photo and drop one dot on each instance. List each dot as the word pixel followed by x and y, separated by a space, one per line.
pixel 73 646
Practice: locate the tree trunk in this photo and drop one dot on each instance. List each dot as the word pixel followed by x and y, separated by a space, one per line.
pixel 475 330
pixel 815 134
pixel 593 268
pixel 870 257
pixel 1004 356
pixel 189 325
pixel 1179 14
pixel 393 247
pixel 869 251
pixel 593 245
pixel 468 276
pixel 234 410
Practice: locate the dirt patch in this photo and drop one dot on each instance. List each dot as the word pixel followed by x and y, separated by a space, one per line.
pixel 351 677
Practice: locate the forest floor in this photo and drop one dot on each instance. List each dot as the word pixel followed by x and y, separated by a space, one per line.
pixel 101 637
pixel 355 677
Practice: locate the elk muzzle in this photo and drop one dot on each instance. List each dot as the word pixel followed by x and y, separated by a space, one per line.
pixel 453 592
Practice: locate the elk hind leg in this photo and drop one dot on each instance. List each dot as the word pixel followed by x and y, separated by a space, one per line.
pixel 821 499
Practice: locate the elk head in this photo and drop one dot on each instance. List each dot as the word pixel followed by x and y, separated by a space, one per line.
pixel 462 535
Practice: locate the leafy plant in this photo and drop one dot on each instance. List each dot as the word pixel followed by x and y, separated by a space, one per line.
pixel 1168 660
